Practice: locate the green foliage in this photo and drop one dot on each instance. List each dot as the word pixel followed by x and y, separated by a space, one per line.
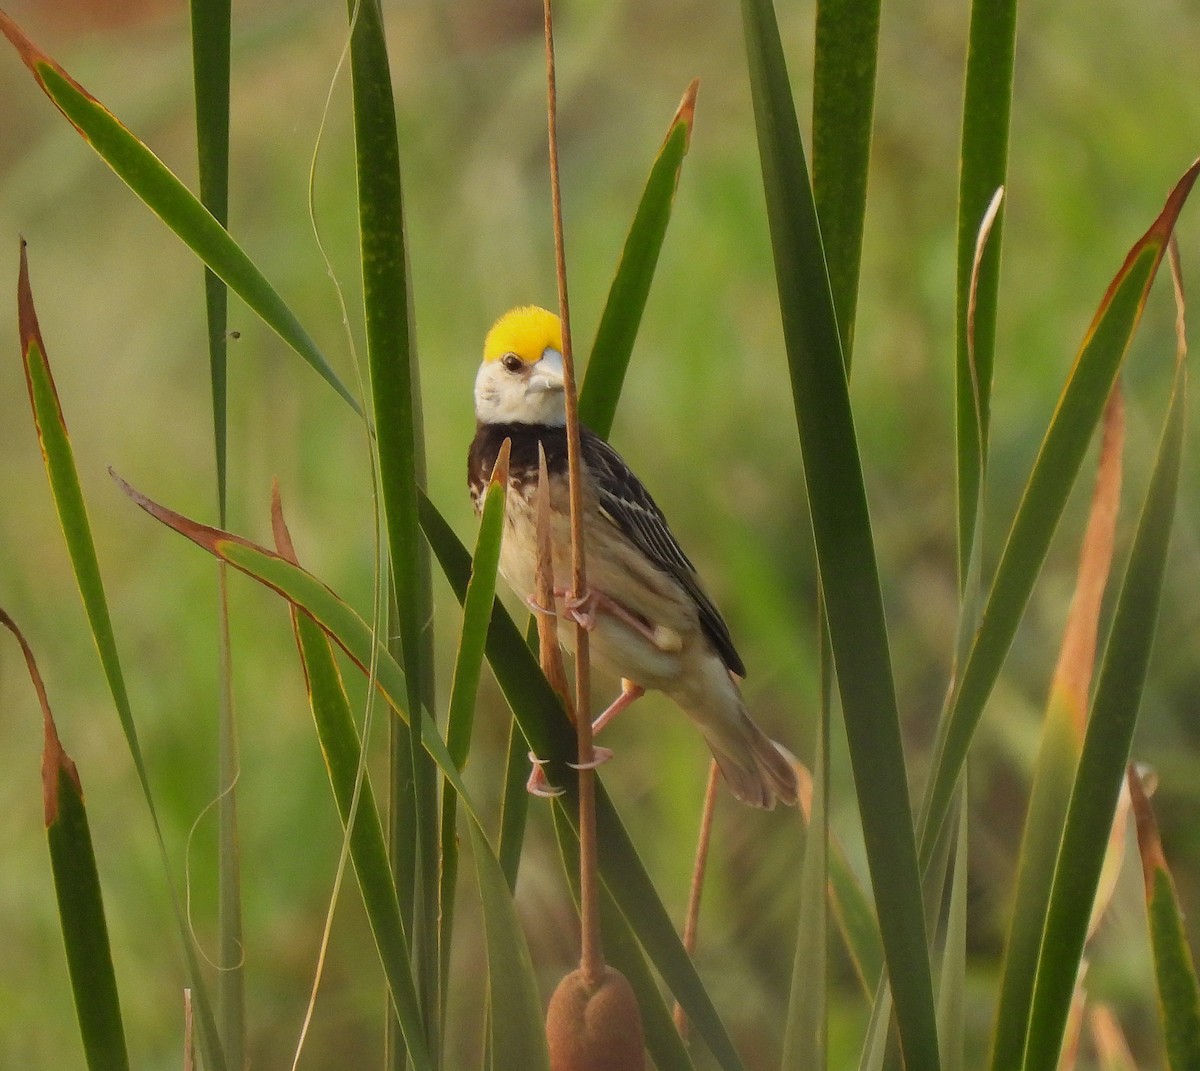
pixel 899 898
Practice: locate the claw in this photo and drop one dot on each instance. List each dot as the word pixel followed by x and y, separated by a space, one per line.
pixel 537 785
pixel 600 755
pixel 538 608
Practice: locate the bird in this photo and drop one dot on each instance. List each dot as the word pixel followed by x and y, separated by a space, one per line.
pixel 649 620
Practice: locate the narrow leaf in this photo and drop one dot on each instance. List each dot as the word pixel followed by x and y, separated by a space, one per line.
pixel 77 887
pixel 1058 462
pixel 1178 993
pixel 357 807
pixel 1105 750
pixel 210 73
pixel 170 200
pixel 631 286
pixel 953 978
pixel 517 1032
pixel 72 515
pixel 396 406
pixel 983 168
pixel 1058 754
pixel 844 58
pixel 806 1028
pixel 851 906
pixel 468 667
pixel 842 535
pixel 518 1035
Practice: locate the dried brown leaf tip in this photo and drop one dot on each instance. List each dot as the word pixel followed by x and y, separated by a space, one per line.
pixel 31 333
pixel 1149 843
pixel 203 535
pixel 35 59
pixel 279 529
pixel 500 469
pixel 595 1026
pixel 55 761
pixel 1156 238
pixel 686 112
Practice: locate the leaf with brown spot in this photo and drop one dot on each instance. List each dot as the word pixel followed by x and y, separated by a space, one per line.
pixel 1073 674
pixel 77 889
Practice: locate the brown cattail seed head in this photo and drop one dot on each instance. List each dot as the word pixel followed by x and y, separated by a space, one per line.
pixel 595 1027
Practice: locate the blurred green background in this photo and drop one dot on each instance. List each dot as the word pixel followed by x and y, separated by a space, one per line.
pixel 1106 115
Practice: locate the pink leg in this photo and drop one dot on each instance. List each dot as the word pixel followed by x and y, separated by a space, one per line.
pixel 583 610
pixel 630 692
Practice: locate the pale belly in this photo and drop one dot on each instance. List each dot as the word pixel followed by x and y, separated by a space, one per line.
pixel 640 587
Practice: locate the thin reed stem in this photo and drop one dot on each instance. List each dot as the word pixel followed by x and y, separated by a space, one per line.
pixel 691 925
pixel 591 960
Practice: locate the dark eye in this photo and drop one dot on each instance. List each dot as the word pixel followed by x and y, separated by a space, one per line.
pixel 511 362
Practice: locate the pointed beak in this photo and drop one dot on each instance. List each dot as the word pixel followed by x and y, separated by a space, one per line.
pixel 547 374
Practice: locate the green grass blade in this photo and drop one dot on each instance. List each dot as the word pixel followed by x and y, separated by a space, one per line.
pixel 81 913
pixel 170 200
pixel 77 888
pixel 517 1024
pixel 856 920
pixel 631 286
pixel 395 397
pixel 983 168
pixel 1058 462
pixel 1057 760
pixel 210 71
pixel 468 667
pixel 805 1032
pixel 842 535
pixel 1058 753
pixel 514 807
pixel 1105 750
pixel 847 45
pixel 1178 993
pixel 1176 975
pixel 518 1034
pixel 342 750
pixel 518 1031
pixel 73 519
pixel 953 978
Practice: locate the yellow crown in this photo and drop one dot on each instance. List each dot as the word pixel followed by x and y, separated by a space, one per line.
pixel 528 331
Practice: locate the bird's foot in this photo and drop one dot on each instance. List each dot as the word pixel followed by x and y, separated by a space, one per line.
pixel 538 608
pixel 583 610
pixel 537 785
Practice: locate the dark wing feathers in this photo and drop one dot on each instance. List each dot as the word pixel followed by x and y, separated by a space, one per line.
pixel 630 507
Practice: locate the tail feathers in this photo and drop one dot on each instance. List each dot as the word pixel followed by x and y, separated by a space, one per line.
pixel 759 771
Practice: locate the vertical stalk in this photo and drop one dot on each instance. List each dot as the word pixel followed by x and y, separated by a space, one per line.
pixel 591 960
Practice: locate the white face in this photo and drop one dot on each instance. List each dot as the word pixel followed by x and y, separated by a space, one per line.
pixel 513 391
